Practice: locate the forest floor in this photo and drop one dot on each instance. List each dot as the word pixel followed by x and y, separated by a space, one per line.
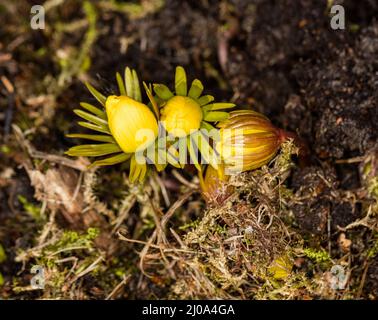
pixel 287 232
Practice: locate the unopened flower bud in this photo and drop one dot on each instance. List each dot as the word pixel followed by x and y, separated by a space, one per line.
pixel 131 123
pixel 248 140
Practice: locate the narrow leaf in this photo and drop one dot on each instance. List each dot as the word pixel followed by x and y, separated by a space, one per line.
pixel 132 169
pixel 218 106
pixel 94 150
pixel 180 82
pixel 94 110
pixel 172 158
pixel 136 87
pixel 93 127
pixel 129 83
pixel 207 152
pixel 99 96
pixel 160 159
pixel 121 85
pixel 207 126
pixel 180 149
pixel 205 100
pixel 94 137
pixel 155 106
pixel 111 160
pixel 137 170
pixel 163 91
pixel 195 89
pixel 142 172
pixel 216 116
pixel 91 118
pixel 193 153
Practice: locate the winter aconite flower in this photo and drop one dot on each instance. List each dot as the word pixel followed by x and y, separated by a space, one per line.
pixel 184 111
pixel 248 140
pixel 126 126
pixel 186 115
pixel 181 116
pixel 131 123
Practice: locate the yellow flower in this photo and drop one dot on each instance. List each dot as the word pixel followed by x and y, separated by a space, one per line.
pixel 123 125
pixel 131 123
pixel 181 116
pixel 186 115
pixel 248 140
pixel 186 110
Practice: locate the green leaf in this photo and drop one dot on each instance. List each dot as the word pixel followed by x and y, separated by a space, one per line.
pixel 94 137
pixel 207 126
pixel 216 116
pixel 99 96
pixel 136 87
pixel 195 89
pixel 218 106
pixel 94 127
pixel 160 167
pixel 137 170
pixel 142 172
pixel 205 100
pixel 129 83
pixel 111 160
pixel 180 149
pixel 93 150
pixel 121 85
pixel 133 168
pixel 159 159
pixel 180 82
pixel 163 91
pixel 173 159
pixel 94 110
pixel 206 149
pixel 193 154
pixel 91 118
pixel 155 106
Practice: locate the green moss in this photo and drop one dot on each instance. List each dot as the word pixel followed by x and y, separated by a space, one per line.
pixel 5 149
pixel 373 187
pixel 192 224
pixel 372 252
pixel 221 229
pixel 32 209
pixel 72 239
pixel 319 256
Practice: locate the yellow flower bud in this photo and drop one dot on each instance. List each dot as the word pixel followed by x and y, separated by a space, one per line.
pixel 248 140
pixel 131 123
pixel 180 115
pixel 215 187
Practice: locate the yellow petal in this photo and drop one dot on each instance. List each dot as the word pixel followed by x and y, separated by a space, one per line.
pixel 131 123
pixel 181 115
